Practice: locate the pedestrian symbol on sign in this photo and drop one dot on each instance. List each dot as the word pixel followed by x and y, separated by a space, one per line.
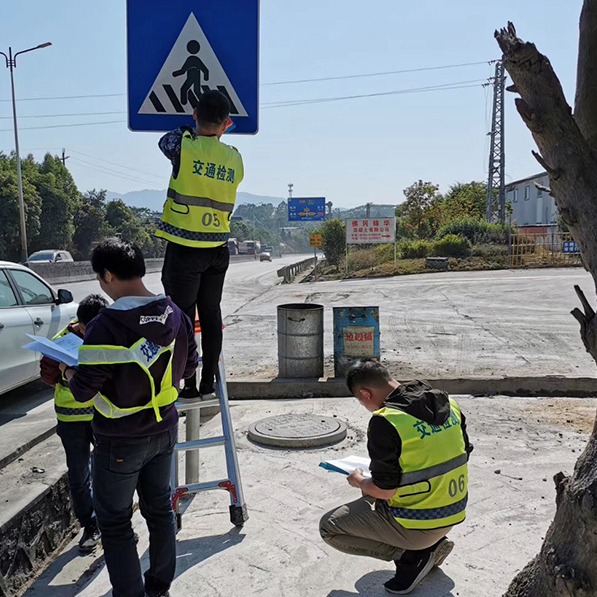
pixel 193 56
pixel 193 67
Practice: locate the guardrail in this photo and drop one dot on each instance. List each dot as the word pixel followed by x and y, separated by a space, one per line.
pixel 290 271
pixel 79 271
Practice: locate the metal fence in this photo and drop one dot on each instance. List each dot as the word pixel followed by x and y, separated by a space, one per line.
pixel 548 249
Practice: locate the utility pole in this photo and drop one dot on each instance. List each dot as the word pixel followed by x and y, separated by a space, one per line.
pixel 290 187
pixel 329 205
pixel 64 157
pixel 11 64
pixel 496 183
pixel 368 210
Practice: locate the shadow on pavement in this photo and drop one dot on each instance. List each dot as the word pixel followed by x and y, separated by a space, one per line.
pixel 194 551
pixel 436 584
pixel 191 552
pixel 44 586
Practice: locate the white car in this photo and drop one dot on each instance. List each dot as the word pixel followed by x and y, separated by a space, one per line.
pixel 50 256
pixel 28 305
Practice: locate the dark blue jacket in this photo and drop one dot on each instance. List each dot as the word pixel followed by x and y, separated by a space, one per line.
pixel 125 322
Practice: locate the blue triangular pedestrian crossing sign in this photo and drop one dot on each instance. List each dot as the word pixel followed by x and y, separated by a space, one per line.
pixel 190 69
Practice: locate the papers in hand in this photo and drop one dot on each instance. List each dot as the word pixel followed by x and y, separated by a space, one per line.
pixel 348 465
pixel 64 350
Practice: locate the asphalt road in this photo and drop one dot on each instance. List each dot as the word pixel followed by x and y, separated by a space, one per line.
pixel 245 281
pixel 461 324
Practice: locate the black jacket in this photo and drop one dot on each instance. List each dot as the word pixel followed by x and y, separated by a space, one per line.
pixel 418 399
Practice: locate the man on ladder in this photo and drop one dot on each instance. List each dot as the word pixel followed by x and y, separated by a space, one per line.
pixel 133 357
pixel 196 223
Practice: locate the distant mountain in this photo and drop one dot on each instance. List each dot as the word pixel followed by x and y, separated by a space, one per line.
pixel 154 199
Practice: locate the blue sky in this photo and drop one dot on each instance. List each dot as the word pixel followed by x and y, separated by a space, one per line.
pixel 353 151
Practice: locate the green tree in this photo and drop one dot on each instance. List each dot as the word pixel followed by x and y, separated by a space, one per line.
pixel 467 200
pixel 239 230
pixel 10 237
pixel 415 215
pixel 333 241
pixel 59 197
pixel 90 223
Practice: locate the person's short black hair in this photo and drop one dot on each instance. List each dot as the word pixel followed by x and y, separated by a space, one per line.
pixel 368 372
pixel 213 108
pixel 119 257
pixel 89 307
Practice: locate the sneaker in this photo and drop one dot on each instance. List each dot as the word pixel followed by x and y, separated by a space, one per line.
pixel 209 396
pixel 411 572
pixel 90 539
pixel 189 394
pixel 441 550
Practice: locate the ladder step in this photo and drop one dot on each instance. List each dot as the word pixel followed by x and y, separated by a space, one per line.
pixel 207 486
pixel 201 443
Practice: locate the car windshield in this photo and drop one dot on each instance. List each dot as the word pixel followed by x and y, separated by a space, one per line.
pixel 42 256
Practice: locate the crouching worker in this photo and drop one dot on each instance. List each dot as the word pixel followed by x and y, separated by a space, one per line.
pixel 74 426
pixel 133 358
pixel 417 492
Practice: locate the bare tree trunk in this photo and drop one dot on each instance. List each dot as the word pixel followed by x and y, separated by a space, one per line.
pixel 567 563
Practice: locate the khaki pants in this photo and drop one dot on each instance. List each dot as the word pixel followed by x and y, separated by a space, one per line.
pixel 366 528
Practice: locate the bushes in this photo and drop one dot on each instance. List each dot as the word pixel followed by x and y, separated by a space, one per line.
pixel 413 249
pixel 452 245
pixel 490 251
pixel 476 231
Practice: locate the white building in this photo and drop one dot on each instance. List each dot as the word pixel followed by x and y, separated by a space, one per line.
pixel 531 206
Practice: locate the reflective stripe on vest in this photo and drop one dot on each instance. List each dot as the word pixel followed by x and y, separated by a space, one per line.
pixel 431 514
pixel 200 200
pixel 433 471
pixel 66 407
pixel 433 489
pixel 144 354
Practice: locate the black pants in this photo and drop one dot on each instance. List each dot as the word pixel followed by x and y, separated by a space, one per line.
pixel 77 439
pixel 120 467
pixel 194 278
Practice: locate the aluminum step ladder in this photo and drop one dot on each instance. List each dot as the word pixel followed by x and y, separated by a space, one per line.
pixel 183 495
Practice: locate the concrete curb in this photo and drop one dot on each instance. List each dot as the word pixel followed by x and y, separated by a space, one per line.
pixel 26 447
pixel 548 386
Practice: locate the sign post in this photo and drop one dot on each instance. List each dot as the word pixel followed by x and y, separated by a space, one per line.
pixel 178 50
pixel 315 240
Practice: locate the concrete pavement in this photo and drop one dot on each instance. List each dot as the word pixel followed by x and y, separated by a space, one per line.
pixel 519 445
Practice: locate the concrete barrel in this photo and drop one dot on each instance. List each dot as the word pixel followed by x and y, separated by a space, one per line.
pixel 300 340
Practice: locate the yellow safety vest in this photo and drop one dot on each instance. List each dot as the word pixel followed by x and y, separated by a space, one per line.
pixel 201 198
pixel 143 353
pixel 66 407
pixel 433 491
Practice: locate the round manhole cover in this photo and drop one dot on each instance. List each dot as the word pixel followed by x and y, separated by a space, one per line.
pixel 297 431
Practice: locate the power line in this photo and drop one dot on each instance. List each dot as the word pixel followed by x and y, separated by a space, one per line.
pixel 63 97
pixel 116 164
pixel 104 170
pixel 64 115
pixel 60 126
pixel 300 102
pixel 379 74
pixel 289 82
pixel 446 87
